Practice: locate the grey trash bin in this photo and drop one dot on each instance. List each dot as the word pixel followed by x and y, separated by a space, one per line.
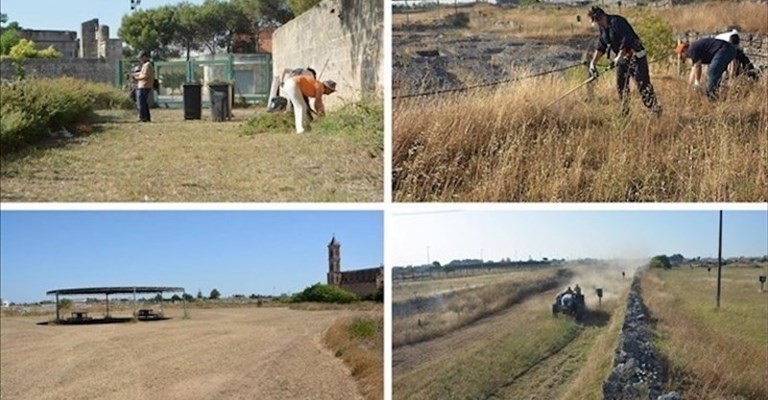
pixel 218 107
pixel 219 96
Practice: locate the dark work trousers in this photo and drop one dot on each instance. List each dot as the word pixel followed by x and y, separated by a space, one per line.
pixel 142 103
pixel 716 68
pixel 636 68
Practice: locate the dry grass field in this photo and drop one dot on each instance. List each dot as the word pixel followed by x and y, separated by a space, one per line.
pixel 558 21
pixel 244 353
pixel 506 145
pixel 176 160
pixel 521 352
pixel 710 353
pixel 437 307
pixel 510 143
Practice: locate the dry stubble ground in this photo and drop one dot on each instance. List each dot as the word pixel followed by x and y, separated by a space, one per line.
pixel 264 353
pixel 521 352
pixel 176 160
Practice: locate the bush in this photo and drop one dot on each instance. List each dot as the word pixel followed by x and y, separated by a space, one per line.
pixel 661 261
pixel 362 328
pixel 656 34
pixel 325 294
pixel 31 107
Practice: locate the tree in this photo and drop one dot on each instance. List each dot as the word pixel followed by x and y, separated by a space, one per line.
pixel 299 6
pixel 199 294
pixel 159 298
pixel 9 35
pixel 154 30
pixel 188 297
pixel 215 295
pixel 436 264
pixel 660 261
pixel 175 297
pixel 65 303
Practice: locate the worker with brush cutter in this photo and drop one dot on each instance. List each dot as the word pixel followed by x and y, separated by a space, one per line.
pixel 617 35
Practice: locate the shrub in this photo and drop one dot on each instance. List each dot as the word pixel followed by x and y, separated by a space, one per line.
pixel 362 328
pixel 325 294
pixel 31 107
pixel 661 261
pixel 656 34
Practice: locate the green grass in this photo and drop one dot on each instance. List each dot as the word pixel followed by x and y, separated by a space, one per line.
pixel 711 353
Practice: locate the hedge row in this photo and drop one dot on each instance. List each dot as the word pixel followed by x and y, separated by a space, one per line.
pixel 31 108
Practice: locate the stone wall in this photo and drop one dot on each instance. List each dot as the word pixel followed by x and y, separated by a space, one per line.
pixel 342 40
pixel 64 41
pixel 94 70
pixel 638 372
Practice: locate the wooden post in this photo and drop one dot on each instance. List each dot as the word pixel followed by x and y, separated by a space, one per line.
pixel 184 303
pixel 57 307
pixel 134 302
pixel 719 258
pixel 107 294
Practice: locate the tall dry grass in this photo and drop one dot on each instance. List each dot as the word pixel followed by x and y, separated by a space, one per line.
pixel 359 341
pixel 552 21
pixel 506 145
pixel 710 353
pixel 422 318
pixel 716 15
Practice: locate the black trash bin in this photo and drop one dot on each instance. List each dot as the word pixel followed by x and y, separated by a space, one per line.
pixel 193 101
pixel 219 95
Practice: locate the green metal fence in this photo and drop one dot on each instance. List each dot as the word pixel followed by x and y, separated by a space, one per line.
pixel 251 75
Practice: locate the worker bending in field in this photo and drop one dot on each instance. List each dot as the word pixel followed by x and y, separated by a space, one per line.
pixel 714 52
pixel 741 63
pixel 298 89
pixel 618 36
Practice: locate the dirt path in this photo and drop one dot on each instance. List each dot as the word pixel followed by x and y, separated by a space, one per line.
pixel 176 160
pixel 218 354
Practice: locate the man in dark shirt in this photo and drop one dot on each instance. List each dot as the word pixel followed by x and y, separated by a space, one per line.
pixel 618 36
pixel 714 52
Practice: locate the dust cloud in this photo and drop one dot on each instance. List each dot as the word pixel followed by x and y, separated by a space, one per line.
pixel 606 274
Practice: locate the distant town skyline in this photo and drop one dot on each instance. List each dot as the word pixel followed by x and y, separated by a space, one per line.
pixel 420 238
pixel 236 252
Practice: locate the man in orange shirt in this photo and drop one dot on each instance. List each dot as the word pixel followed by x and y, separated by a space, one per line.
pixel 144 80
pixel 297 88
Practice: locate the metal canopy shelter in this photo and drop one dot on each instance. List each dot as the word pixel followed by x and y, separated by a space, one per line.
pixel 116 290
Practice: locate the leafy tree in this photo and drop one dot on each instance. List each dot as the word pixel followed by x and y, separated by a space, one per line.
pixel 253 296
pixel 3 18
pixel 175 297
pixel 676 259
pixel 436 264
pixel 159 298
pixel 8 39
pixel 188 297
pixel 660 261
pixel 299 6
pixel 153 30
pixel 215 295
pixel 199 294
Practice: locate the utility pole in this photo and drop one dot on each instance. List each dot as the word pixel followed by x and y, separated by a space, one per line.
pixel 719 258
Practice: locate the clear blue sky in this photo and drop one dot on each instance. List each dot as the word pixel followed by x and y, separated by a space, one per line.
pixel 573 234
pixel 68 15
pixel 236 252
